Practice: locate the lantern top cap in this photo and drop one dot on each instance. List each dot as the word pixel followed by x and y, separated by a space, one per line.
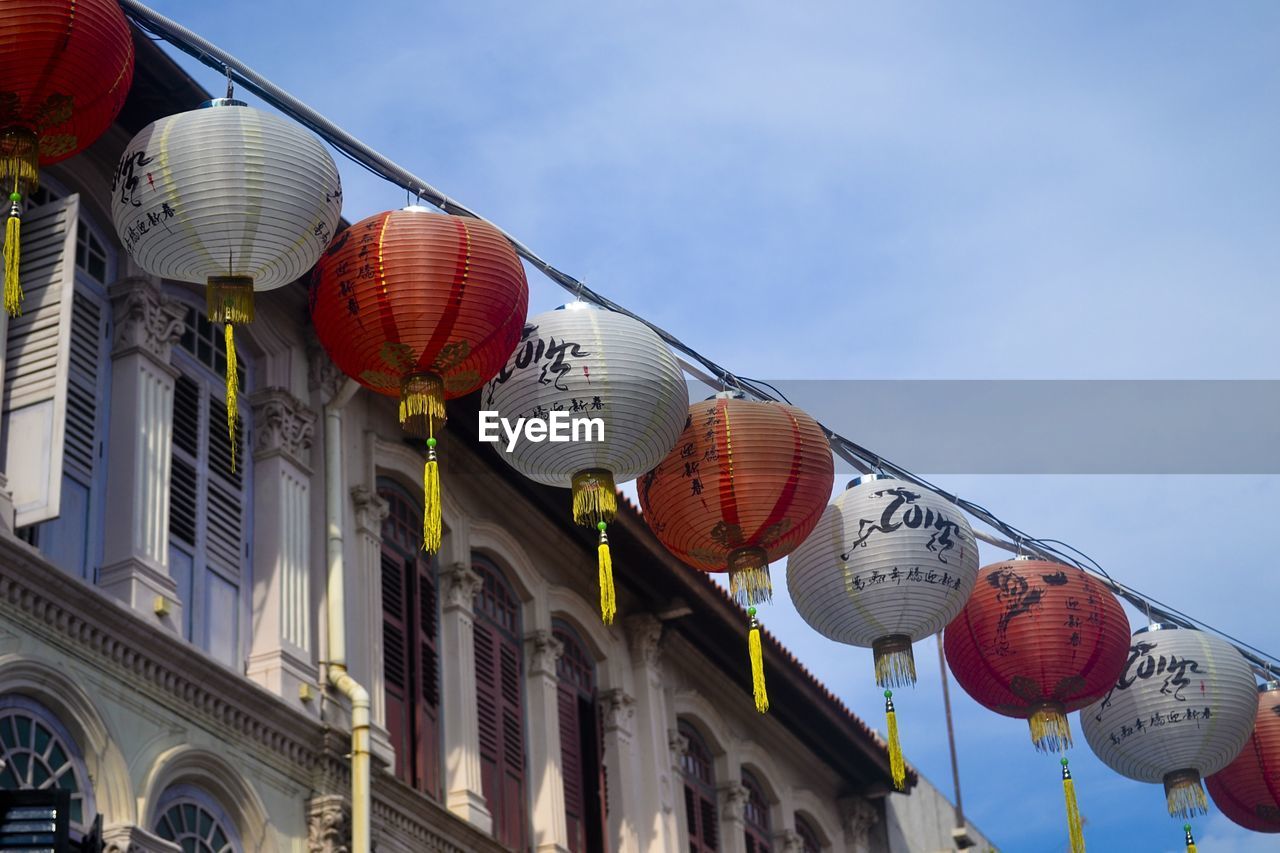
pixel 733 394
pixel 223 102
pixel 1157 626
pixel 576 305
pixel 867 478
pixel 416 208
pixel 1269 685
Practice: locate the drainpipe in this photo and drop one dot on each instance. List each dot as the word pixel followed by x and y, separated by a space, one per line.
pixel 361 777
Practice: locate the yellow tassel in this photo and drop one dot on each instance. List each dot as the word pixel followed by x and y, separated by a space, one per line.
pixel 422 404
pixel 1074 829
pixel 1184 794
pixel 608 602
pixel 233 391
pixel 12 256
pixel 595 497
pixel 1050 730
pixel 431 529
pixel 757 664
pixel 1190 839
pixel 897 767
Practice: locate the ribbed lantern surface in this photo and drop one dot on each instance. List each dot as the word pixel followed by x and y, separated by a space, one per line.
pixel 65 69
pixel 423 306
pixel 226 192
pixel 745 484
pixel 590 363
pixel 889 563
pixel 617 390
pixel 1038 640
pixel 1183 708
pixel 413 292
pixel 1248 789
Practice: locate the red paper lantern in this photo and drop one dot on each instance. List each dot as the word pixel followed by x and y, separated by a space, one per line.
pixel 422 306
pixel 1248 789
pixel 744 485
pixel 1038 640
pixel 65 69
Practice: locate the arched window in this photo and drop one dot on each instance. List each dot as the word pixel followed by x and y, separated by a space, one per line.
pixel 409 644
pixel 755 816
pixel 72 540
pixel 189 817
pixel 809 842
pixel 500 705
pixel 210 505
pixel 39 753
pixel 699 774
pixel 581 744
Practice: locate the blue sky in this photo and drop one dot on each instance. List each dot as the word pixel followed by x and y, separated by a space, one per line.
pixel 841 190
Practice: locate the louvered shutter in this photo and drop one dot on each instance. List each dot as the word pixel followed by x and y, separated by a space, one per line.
pixel 428 710
pixel 488 710
pixel 224 509
pixel 512 744
pixel 395 662
pixel 37 362
pixel 571 766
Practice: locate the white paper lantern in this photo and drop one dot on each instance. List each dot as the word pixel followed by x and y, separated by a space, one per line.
pixel 226 192
pixel 230 197
pixel 1183 708
pixel 621 384
pixel 888 564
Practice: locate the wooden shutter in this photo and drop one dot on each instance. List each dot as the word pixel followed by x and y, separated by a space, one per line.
pixel 488 705
pixel 395 662
pixel 572 771
pixel 37 362
pixel 427 711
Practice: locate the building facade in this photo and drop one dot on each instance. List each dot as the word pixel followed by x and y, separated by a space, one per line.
pixel 164 615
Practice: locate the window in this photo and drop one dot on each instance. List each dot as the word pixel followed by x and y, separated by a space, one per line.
pixel 209 504
pixel 808 836
pixel 38 753
pixel 73 539
pixel 755 816
pixel 500 705
pixel 581 744
pixel 193 820
pixel 699 792
pixel 409 631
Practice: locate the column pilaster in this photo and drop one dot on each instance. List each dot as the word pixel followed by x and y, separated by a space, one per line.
pixel 136 534
pixel 542 652
pixel 371 510
pixel 618 712
pixel 464 787
pixel 657 820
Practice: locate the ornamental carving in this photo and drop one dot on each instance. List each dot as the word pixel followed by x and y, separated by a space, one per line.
pixel 328 825
pixel 145 319
pixel 644 633
pixel 459 583
pixel 282 424
pixel 371 510
pixel 322 374
pixel 619 710
pixel 858 816
pixel 543 651
pixel 733 799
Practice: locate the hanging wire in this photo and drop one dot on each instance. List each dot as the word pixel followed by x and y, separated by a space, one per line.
pixel 862 459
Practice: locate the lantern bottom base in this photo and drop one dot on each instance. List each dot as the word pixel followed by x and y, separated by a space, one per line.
pixel 1184 794
pixel 229 299
pixel 1050 729
pixel 422 404
pixel 895 664
pixel 595 497
pixel 19 161
pixel 749 581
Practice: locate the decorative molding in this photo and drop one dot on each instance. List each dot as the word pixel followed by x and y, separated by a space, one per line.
pixel 328 824
pixel 857 817
pixel 789 841
pixel 371 510
pixel 460 583
pixel 644 635
pixel 144 319
pixel 282 425
pixel 322 374
pixel 127 838
pixel 619 710
pixel 733 799
pixel 678 744
pixel 542 651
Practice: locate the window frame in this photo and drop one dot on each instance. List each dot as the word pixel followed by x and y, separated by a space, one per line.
pixel 46 717
pixel 810 841
pixel 194 584
pixel 184 793
pixel 581 758
pixel 756 819
pixel 698 774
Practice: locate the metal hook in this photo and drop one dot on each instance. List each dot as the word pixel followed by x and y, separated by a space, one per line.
pixel 231 86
